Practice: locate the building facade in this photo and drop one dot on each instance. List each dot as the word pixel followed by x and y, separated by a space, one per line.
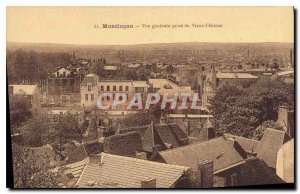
pixel 91 88
pixel 63 88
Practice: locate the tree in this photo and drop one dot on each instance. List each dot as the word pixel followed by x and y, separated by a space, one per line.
pixel 20 64
pixel 240 111
pixel 222 106
pixel 19 111
pixel 34 131
pixel 28 174
pixel 137 119
pixel 260 130
pixel 64 131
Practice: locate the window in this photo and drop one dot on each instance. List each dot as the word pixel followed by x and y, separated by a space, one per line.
pixel 107 88
pixel 102 88
pixel 126 88
pixel 92 97
pixel 120 88
pixel 89 88
pixel 86 97
pixel 233 180
pixel 139 89
pixel 114 88
pixel 108 97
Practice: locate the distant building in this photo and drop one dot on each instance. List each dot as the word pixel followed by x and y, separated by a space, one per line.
pixel 91 88
pixel 243 79
pixel 215 79
pixel 63 88
pixel 29 92
pixel 165 86
pixel 197 126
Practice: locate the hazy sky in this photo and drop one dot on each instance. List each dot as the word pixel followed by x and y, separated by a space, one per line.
pixel 75 25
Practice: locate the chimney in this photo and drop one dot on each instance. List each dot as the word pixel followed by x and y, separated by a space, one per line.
pixel 148 183
pixel 95 159
pixel 205 168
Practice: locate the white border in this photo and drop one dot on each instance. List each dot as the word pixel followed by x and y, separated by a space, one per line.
pixel 4 3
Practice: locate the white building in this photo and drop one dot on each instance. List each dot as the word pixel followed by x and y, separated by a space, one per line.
pixel 91 88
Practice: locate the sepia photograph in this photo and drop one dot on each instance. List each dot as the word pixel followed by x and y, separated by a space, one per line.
pixel 150 97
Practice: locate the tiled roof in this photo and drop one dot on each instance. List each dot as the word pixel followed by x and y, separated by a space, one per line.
pixel 24 89
pixel 248 145
pixel 77 155
pixel 269 145
pixel 75 168
pixel 220 151
pixel 127 144
pixel 170 134
pixel 160 83
pixel 84 150
pixel 124 172
pixel 148 139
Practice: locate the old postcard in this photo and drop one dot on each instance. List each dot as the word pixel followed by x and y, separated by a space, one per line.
pixel 151 97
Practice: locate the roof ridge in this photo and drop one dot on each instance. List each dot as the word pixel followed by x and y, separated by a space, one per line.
pixel 192 145
pixel 241 137
pixel 136 127
pixel 143 161
pixel 280 131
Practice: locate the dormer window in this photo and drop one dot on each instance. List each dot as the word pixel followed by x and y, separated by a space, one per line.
pixel 89 88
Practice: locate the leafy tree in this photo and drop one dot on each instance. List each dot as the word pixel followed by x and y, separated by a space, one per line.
pixel 241 110
pixel 137 119
pixel 65 130
pixel 223 107
pixel 19 111
pixel 34 131
pixel 28 174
